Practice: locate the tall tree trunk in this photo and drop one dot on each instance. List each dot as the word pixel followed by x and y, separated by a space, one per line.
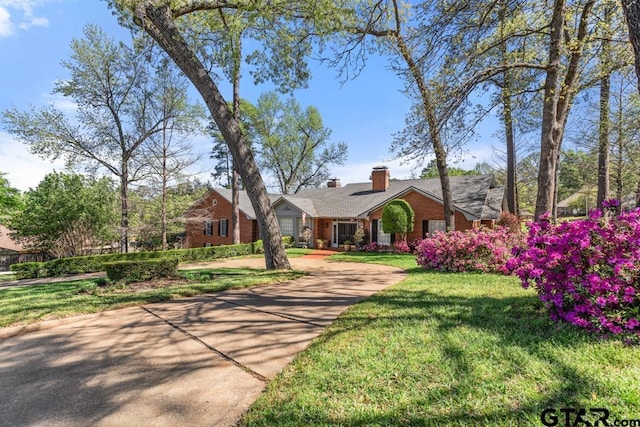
pixel 158 22
pixel 603 145
pixel 507 118
pixel 605 105
pixel 235 178
pixel 432 122
pixel 631 10
pixel 165 178
pixel 558 97
pixel 512 192
pixel 124 207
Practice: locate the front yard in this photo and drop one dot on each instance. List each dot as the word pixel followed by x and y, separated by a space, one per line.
pixel 450 349
pixel 28 304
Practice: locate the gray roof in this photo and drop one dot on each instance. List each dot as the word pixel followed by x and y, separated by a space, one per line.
pixel 473 195
pixel 470 195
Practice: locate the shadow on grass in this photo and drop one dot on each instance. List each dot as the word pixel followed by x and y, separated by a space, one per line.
pixel 522 342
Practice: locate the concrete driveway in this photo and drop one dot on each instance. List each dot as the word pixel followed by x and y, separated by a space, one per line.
pixel 194 361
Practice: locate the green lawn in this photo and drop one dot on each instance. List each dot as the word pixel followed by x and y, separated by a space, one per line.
pixel 449 350
pixel 29 304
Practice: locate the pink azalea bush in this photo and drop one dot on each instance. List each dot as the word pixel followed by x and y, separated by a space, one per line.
pixel 587 272
pixel 401 247
pixel 477 250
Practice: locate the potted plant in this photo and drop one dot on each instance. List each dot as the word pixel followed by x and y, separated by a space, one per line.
pixel 347 245
pixel 319 244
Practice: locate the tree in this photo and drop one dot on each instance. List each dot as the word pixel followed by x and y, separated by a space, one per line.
pixel 398 217
pixel 631 10
pixel 285 65
pixel 113 89
pixel 169 151
pixel 431 171
pixel 10 199
pixel 292 143
pixel 559 92
pixel 67 215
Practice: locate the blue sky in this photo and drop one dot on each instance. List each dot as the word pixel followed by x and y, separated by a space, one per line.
pixel 35 37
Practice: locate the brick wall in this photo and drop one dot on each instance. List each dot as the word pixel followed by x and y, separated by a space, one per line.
pixel 426 209
pixel 205 210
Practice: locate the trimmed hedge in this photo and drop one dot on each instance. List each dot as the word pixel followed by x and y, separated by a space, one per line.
pixel 137 271
pixel 28 270
pixel 91 264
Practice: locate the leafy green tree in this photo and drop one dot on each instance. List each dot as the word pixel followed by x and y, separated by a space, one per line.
pixel 431 171
pixel 10 199
pixel 67 215
pixel 114 89
pixel 283 30
pixel 292 143
pixel 398 217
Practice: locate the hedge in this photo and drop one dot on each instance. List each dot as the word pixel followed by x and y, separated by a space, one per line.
pixel 90 264
pixel 137 271
pixel 28 270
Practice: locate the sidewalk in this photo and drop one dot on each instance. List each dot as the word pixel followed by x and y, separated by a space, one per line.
pixel 194 361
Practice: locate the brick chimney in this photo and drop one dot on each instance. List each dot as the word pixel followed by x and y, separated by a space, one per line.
pixel 380 178
pixel 334 183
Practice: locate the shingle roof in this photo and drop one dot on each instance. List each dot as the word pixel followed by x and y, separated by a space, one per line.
pixel 473 195
pixel 470 195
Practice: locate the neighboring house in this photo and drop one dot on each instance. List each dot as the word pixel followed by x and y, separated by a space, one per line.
pixel 12 252
pixel 335 212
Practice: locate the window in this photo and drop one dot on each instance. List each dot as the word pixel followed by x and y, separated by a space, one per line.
pixel 223 228
pixel 208 228
pixel 287 226
pixel 436 226
pixel 207 245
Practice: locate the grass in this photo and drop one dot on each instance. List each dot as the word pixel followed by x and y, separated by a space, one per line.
pixel 449 350
pixel 30 304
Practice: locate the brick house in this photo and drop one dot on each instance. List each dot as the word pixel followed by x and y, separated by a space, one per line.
pixel 335 212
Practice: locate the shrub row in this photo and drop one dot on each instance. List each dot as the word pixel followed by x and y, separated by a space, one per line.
pixel 478 250
pixel 137 271
pixel 90 264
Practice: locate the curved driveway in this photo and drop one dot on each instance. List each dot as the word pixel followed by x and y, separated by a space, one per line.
pixel 193 361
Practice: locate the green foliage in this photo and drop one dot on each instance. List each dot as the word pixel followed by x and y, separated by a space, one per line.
pixel 28 270
pixel 292 142
pixel 138 271
pixel 94 263
pixel 288 241
pixel 10 199
pixel 67 215
pixel 398 217
pixel 431 170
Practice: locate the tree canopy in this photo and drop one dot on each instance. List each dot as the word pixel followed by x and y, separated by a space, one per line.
pixel 398 217
pixel 67 215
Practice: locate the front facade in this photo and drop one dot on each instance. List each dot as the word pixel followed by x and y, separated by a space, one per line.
pixel 330 216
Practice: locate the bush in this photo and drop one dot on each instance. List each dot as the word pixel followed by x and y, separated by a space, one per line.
pixel 477 250
pixel 288 241
pixel 137 271
pixel 587 272
pixel 401 247
pixel 509 221
pixel 28 270
pixel 90 264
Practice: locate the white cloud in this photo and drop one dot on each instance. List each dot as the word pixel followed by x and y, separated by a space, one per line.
pixel 25 18
pixel 35 22
pixel 23 169
pixel 6 26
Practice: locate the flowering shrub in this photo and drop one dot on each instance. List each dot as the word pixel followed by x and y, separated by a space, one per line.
pixel 401 247
pixel 484 250
pixel 587 272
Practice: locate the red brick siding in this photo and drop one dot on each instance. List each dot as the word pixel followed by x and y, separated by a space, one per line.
pixel 380 180
pixel 195 237
pixel 425 209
